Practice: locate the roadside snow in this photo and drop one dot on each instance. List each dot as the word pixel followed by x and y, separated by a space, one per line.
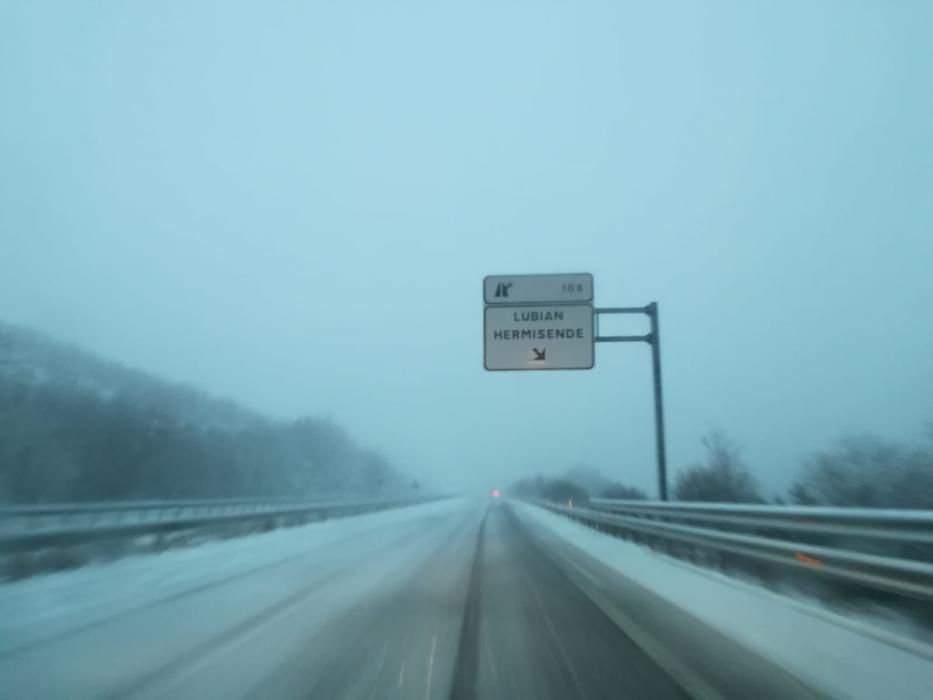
pixel 40 607
pixel 846 659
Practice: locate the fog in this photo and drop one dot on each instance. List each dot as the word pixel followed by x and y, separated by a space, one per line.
pixel 293 205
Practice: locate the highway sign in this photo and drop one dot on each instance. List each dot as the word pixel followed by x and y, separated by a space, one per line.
pixel 539 337
pixel 538 289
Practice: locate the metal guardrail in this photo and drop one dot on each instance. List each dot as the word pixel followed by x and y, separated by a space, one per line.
pixel 888 550
pixel 31 528
pixel 64 509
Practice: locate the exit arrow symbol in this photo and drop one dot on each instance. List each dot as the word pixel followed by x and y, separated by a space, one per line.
pixel 539 354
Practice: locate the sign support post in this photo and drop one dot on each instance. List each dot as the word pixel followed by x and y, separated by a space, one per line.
pixel 658 399
pixel 654 339
pixel 547 322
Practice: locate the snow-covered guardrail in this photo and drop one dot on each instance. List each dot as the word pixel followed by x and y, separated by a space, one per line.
pixel 29 528
pixel 888 550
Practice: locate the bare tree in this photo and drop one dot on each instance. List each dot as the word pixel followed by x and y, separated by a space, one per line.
pixel 865 471
pixel 724 477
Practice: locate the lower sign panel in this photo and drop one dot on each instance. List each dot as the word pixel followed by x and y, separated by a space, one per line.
pixel 539 337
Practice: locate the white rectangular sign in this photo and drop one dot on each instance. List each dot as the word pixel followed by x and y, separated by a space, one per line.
pixel 538 289
pixel 539 337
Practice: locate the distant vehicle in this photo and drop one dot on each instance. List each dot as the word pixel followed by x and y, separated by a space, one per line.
pixel 495 493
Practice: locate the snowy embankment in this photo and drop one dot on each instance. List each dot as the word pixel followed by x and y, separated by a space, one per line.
pixel 843 657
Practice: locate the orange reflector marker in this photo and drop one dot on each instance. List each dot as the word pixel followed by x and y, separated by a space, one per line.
pixel 812 561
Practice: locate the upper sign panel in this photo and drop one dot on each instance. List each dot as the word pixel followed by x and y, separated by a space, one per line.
pixel 538 289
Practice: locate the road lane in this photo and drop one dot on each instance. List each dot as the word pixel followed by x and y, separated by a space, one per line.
pixel 461 601
pixel 218 639
pixel 401 641
pixel 706 663
pixel 539 636
pixel 486 614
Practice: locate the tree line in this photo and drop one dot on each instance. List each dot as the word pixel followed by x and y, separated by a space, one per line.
pixel 860 471
pixel 76 428
pixel 576 485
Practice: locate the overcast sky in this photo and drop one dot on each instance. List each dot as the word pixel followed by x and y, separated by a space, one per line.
pixel 293 204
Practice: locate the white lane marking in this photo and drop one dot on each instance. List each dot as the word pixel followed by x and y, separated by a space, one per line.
pixel 401 674
pixel 554 636
pixel 427 689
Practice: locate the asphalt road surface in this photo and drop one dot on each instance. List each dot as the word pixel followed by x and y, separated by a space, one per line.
pixel 459 600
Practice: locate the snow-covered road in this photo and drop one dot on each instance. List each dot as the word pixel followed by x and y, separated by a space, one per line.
pixel 456 598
